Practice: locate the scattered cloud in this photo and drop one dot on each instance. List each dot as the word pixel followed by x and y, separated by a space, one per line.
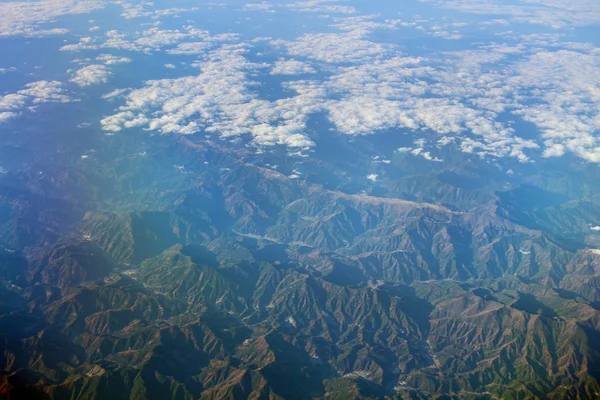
pixel 91 75
pixel 322 6
pixel 45 92
pixel 309 6
pixel 337 47
pixel 145 9
pixel 564 85
pixel 366 23
pixel 114 93
pixel 476 99
pixel 25 18
pixel 110 59
pixel 185 41
pixel 267 7
pixel 191 48
pixel 33 94
pixel 461 96
pixel 6 115
pixel 291 67
pixel 218 100
pixel 553 13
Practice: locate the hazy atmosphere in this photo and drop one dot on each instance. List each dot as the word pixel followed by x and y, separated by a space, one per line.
pixel 322 199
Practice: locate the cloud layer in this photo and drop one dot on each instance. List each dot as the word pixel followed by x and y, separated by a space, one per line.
pixel 24 18
pixel 463 97
pixel 220 99
pixel 354 69
pixel 33 94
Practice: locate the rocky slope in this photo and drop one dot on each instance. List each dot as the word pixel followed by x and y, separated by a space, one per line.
pixel 204 272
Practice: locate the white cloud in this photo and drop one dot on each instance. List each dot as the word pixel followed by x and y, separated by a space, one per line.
pixel 310 6
pixel 12 101
pixel 45 92
pixel 321 6
pixel 110 59
pixel 419 151
pixel 564 85
pixel 553 13
pixel 33 94
pixel 145 10
pixel 337 47
pixel 365 23
pixel 111 40
pixel 186 41
pixel 114 93
pixel 372 177
pixel 463 97
pixel 156 38
pixel 291 67
pixel 554 150
pixel 91 75
pixel 219 99
pixel 191 48
pixel 258 7
pixel 425 154
pixel 455 96
pixel 23 18
pixel 464 93
pixel 6 115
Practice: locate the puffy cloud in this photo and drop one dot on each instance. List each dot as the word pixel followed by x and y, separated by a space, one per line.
pixel 23 18
pixel 553 13
pixel 13 101
pixel 467 98
pixel 258 7
pixel 45 92
pixel 191 48
pixel 554 150
pixel 291 67
pixel 91 75
pixel 337 47
pixel 145 10
pixel 111 40
pixel 156 38
pixel 456 99
pixel 563 90
pixel 419 151
pixel 322 6
pixel 366 23
pixel 312 6
pixel 189 41
pixel 34 93
pixel 457 95
pixel 6 115
pixel 220 100
pixel 425 154
pixel 110 59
